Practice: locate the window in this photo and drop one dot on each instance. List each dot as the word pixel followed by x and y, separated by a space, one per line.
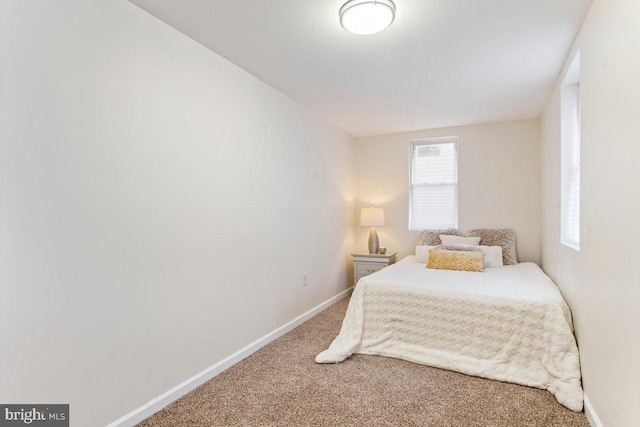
pixel 433 198
pixel 570 157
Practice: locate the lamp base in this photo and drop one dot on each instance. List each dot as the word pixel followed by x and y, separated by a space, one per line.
pixel 374 243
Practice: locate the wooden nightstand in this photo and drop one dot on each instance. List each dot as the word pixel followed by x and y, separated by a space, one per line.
pixel 364 264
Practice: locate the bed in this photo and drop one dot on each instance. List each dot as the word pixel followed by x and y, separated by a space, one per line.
pixel 508 324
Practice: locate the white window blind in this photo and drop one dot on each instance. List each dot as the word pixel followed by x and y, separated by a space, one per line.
pixel 570 159
pixel 433 199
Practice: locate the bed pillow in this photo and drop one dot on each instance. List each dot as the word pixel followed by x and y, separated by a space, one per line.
pixel 432 237
pixel 460 248
pixel 492 258
pixel 442 259
pixel 422 253
pixel 504 237
pixel 459 240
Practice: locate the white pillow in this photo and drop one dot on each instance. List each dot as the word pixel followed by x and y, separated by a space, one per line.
pixel 492 257
pixel 458 240
pixel 422 254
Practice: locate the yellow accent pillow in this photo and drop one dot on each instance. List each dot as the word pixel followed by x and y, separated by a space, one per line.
pixel 442 259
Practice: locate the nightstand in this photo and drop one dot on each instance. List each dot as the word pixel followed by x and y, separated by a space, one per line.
pixel 364 264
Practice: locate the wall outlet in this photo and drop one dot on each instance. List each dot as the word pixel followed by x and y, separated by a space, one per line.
pixel 304 279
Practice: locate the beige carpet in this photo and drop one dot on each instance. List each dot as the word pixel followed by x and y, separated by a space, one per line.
pixel 280 385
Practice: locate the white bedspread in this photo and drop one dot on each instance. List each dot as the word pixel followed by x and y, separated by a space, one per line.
pixel 508 324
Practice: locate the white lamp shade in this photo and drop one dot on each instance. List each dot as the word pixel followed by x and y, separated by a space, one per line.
pixel 372 217
pixel 367 16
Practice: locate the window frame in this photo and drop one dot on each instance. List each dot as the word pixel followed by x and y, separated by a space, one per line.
pixel 433 141
pixel 570 168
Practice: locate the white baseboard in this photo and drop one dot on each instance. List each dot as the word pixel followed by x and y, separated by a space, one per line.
pixel 153 406
pixel 592 417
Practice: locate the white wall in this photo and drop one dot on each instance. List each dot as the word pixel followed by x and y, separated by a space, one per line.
pixel 158 207
pixel 601 282
pixel 498 182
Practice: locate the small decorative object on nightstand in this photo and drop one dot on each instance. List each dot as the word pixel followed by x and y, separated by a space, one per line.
pixel 364 264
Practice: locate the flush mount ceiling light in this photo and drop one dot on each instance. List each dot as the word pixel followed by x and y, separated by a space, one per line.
pixel 367 16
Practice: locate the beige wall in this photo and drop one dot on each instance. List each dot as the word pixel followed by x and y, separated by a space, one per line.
pixel 498 182
pixel 158 207
pixel 601 282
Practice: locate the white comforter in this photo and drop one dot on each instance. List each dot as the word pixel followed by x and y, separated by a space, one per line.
pixel 509 324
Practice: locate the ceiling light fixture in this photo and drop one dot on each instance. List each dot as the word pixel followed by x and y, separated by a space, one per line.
pixel 367 16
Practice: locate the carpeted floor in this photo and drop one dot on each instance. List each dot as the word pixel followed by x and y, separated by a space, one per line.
pixel 281 385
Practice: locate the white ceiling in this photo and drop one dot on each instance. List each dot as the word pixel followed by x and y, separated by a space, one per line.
pixel 441 63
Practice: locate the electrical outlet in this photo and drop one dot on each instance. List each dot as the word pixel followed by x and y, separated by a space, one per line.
pixel 304 279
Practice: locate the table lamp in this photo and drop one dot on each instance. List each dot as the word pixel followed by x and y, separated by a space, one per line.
pixel 372 217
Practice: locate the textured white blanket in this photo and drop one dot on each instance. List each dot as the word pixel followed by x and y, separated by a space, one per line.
pixel 508 324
